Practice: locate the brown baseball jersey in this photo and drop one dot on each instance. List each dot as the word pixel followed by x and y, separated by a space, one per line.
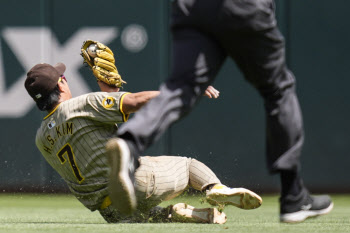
pixel 72 139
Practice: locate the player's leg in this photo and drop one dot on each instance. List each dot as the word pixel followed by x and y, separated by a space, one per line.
pixel 162 178
pixel 203 178
pixel 261 57
pixel 165 177
pixel 156 179
pixel 121 176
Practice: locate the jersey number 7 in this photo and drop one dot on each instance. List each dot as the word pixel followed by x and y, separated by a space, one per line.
pixel 67 150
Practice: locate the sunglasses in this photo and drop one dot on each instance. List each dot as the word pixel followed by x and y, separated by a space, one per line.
pixel 62 77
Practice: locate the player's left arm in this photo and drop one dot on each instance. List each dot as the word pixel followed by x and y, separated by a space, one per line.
pixel 210 92
pixel 132 102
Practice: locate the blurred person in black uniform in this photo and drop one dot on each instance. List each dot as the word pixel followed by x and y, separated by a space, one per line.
pixel 205 33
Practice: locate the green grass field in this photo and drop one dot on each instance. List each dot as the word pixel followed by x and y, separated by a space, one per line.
pixel 63 213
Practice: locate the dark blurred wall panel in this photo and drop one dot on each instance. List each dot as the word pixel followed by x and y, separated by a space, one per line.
pixel 52 31
pixel 319 56
pixel 227 133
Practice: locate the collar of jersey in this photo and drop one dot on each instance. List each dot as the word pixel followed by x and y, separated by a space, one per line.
pixel 51 112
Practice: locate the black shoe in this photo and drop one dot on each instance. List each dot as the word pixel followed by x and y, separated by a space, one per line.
pixel 121 178
pixel 298 208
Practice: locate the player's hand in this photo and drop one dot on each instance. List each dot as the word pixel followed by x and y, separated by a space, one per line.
pixel 211 92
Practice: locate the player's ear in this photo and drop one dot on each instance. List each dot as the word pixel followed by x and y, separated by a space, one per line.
pixel 64 89
pixel 61 86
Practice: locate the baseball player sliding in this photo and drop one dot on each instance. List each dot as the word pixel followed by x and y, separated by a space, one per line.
pixel 73 137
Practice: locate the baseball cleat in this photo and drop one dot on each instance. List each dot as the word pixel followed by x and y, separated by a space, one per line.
pixel 121 184
pixel 182 212
pixel 294 211
pixel 239 197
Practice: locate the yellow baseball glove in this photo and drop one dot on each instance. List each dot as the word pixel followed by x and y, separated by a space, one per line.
pixel 101 60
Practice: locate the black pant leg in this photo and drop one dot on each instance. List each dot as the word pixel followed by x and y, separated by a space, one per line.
pixel 259 51
pixel 196 61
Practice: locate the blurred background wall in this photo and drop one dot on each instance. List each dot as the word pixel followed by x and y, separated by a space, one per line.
pixel 227 133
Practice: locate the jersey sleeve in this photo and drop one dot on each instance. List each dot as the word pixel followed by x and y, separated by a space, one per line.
pixel 107 106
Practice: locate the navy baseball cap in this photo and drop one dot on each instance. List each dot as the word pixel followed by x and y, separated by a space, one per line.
pixel 42 79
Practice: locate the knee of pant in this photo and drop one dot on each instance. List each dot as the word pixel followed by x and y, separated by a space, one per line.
pixel 192 161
